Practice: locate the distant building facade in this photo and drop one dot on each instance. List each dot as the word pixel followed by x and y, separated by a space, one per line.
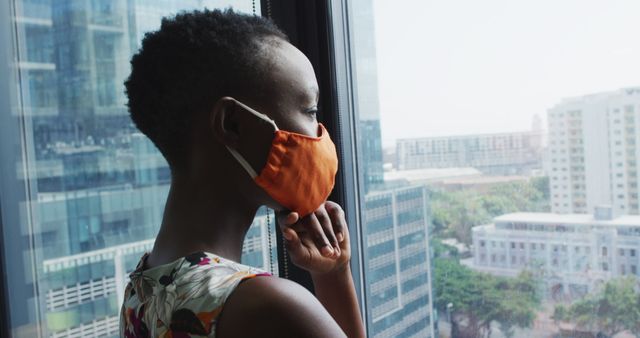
pixel 593 152
pixel 503 154
pixel 573 253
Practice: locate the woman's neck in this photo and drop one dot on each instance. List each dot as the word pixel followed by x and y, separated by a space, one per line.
pixel 196 218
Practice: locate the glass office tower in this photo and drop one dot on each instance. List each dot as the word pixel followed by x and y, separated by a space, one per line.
pixel 395 218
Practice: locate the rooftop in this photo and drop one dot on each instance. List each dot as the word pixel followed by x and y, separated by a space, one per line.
pixel 431 174
pixel 576 219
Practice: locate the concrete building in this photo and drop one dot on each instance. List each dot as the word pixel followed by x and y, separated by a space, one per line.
pixel 593 152
pixel 573 253
pixel 503 154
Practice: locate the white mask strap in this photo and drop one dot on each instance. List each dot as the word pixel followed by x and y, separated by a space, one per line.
pixel 258 114
pixel 236 154
pixel 243 162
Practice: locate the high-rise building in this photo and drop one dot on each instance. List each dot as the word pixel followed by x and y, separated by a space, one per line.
pixel 503 154
pixel 366 96
pixel 395 219
pixel 97 186
pixel 398 263
pixel 572 253
pixel 593 152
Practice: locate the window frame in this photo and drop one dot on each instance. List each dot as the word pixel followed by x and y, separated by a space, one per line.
pixel 320 29
pixel 7 39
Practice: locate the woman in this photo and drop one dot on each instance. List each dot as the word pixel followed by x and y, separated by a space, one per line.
pixel 231 105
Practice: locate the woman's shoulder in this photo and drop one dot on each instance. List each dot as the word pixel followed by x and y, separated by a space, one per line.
pixel 191 290
pixel 197 274
pixel 207 275
pixel 274 306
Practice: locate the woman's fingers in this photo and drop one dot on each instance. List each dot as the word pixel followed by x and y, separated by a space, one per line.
pixel 324 228
pixel 338 220
pixel 301 249
pixel 325 222
pixel 287 218
pixel 317 234
pixel 292 242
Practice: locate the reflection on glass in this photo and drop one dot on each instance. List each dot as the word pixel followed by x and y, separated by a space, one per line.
pixel 96 186
pixel 395 218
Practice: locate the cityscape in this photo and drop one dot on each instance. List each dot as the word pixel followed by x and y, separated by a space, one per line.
pixel 510 234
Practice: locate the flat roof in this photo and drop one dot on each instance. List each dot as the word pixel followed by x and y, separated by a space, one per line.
pixel 430 174
pixel 571 219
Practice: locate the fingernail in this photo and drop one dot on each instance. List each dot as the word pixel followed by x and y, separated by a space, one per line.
pixel 287 235
pixel 340 236
pixel 327 250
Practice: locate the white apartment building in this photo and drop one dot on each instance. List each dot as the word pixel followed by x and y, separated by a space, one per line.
pixel 573 253
pixel 505 153
pixel 593 152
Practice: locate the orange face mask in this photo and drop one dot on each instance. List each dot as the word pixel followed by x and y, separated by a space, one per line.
pixel 300 170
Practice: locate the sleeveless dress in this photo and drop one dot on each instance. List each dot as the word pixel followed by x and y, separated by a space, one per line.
pixel 181 299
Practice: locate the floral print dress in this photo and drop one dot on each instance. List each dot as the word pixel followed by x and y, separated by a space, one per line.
pixel 181 299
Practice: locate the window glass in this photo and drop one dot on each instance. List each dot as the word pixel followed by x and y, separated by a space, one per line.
pixel 82 190
pixel 464 110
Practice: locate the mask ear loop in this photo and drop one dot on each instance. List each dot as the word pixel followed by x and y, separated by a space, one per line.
pixel 243 162
pixel 236 154
pixel 258 114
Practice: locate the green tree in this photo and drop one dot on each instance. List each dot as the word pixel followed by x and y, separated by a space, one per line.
pixel 479 299
pixel 615 309
pixel 453 214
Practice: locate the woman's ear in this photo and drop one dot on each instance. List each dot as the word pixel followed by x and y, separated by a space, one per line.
pixel 225 123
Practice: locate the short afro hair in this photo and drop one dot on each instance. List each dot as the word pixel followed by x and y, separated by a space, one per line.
pixel 183 68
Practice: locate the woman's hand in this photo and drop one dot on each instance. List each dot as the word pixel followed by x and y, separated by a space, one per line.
pixel 319 242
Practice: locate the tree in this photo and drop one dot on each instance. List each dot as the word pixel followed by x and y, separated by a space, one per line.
pixel 614 309
pixel 479 299
pixel 453 214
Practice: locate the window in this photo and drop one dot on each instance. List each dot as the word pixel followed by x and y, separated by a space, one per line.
pixel 97 186
pixel 423 103
pixel 431 150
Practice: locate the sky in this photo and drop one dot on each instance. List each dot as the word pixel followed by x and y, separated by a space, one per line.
pixel 451 67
